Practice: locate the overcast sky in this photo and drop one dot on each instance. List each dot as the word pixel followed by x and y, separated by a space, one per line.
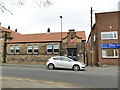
pixel 76 15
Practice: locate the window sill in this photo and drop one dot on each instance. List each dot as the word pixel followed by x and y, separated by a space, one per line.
pixel 35 53
pixel 110 39
pixel 11 53
pixel 56 53
pixel 29 53
pixel 109 57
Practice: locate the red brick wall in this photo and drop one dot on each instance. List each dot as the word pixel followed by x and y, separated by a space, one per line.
pixel 103 23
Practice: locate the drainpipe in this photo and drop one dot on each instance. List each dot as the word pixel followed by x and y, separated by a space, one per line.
pixel 97 47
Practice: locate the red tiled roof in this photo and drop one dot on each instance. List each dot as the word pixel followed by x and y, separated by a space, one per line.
pixel 13 34
pixel 42 37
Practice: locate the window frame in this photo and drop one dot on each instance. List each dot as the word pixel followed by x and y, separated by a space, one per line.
pixel 47 49
pixel 27 49
pixel 94 38
pixel 113 32
pixel 111 56
pixel 58 49
pixel 16 49
pixel 35 49
pixel 12 49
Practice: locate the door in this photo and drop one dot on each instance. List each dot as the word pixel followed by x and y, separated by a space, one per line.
pixel 66 62
pixel 72 53
pixel 58 62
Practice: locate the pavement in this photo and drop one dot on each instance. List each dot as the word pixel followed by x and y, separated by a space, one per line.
pixel 105 68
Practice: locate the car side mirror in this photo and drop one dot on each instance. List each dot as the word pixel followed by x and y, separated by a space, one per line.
pixel 69 60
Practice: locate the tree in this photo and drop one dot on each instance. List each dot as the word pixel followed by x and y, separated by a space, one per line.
pixel 34 3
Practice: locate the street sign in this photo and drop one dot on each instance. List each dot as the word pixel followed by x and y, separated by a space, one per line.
pixel 114 45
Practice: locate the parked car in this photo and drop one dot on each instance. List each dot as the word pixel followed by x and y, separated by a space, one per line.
pixel 64 62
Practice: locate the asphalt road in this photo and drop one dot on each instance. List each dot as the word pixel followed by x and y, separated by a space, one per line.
pixel 84 79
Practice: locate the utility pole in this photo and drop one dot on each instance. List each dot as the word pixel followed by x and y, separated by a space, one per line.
pixel 61 27
pixel 91 12
pixel 61 38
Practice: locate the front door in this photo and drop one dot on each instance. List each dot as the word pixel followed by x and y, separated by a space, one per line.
pixel 72 52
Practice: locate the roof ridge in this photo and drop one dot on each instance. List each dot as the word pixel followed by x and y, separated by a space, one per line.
pixel 50 33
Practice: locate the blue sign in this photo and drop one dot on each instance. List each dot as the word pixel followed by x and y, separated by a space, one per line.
pixel 115 45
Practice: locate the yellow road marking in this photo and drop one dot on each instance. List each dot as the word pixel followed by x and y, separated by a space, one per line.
pixel 41 81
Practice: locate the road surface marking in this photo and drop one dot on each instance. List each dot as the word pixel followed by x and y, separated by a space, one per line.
pixel 41 81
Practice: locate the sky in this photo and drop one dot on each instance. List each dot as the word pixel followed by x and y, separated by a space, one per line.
pixel 76 15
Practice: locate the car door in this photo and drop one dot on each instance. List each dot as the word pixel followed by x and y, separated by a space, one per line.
pixel 57 62
pixel 67 63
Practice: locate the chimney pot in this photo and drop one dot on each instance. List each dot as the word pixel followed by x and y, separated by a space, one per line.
pixel 8 27
pixel 48 30
pixel 16 30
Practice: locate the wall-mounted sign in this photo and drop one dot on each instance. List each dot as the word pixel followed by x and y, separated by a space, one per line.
pixel 71 41
pixel 114 45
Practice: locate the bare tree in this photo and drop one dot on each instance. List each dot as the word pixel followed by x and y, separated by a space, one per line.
pixel 34 3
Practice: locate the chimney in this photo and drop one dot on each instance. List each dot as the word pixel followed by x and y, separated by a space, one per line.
pixel 8 27
pixel 16 30
pixel 72 30
pixel 48 30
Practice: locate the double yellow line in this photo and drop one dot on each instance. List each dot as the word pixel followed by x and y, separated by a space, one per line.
pixel 40 81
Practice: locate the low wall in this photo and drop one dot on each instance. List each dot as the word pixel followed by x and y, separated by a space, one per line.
pixel 36 59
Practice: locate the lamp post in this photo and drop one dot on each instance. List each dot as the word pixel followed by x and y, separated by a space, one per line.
pixel 61 27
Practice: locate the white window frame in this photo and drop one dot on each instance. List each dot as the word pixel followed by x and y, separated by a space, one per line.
pixel 11 49
pixel 54 48
pixel 17 49
pixel 94 38
pixel 110 33
pixel 111 56
pixel 35 49
pixel 47 49
pixel 27 49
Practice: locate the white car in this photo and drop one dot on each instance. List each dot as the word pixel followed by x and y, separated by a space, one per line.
pixel 64 62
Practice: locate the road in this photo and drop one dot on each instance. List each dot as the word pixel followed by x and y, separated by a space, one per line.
pixel 81 79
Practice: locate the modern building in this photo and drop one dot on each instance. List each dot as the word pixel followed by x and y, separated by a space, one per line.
pixel 37 48
pixel 103 45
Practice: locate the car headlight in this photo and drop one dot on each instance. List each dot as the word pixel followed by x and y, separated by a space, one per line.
pixel 82 63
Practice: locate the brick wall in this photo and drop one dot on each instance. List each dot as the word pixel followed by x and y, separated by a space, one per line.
pixel 36 59
pixel 107 22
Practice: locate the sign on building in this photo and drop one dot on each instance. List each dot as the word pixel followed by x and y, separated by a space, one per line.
pixel 115 45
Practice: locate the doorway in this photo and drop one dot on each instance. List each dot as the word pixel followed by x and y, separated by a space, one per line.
pixel 72 53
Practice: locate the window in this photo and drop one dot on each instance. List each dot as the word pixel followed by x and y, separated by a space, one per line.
pixel 29 49
pixel 35 49
pixel 17 49
pixel 56 58
pixel 109 35
pixel 56 49
pixel 110 53
pixel 49 49
pixel 11 49
pixel 64 59
pixel 94 38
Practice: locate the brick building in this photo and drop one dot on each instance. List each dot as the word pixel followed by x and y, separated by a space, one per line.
pixel 37 48
pixel 5 36
pixel 103 45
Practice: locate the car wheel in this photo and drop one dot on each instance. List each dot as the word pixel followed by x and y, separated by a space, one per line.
pixel 76 68
pixel 51 66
